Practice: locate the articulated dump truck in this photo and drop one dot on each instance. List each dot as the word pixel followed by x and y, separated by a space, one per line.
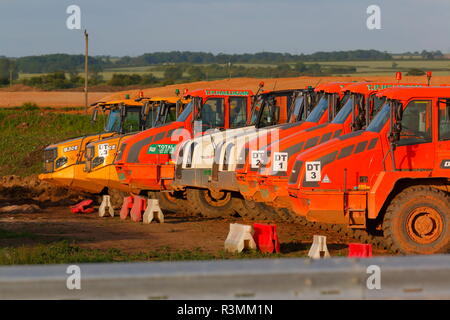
pixel 392 178
pixel 64 162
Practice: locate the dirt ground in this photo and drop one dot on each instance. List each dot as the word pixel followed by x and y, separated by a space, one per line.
pixel 48 99
pixel 177 233
pixel 21 94
pixel 271 84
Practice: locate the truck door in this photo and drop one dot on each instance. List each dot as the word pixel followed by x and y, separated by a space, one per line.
pixel 415 149
pixel 443 146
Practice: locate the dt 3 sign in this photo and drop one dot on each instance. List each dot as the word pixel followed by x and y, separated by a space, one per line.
pixel 313 171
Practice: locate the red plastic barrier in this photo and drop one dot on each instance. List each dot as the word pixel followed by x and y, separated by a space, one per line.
pixel 126 206
pixel 81 207
pixel 139 205
pixel 266 237
pixel 359 250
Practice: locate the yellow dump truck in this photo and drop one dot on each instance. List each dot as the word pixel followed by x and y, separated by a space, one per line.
pixel 100 154
pixel 64 162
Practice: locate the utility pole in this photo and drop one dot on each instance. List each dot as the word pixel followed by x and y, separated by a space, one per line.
pixel 10 77
pixel 86 36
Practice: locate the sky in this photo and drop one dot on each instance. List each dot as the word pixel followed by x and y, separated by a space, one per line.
pixel 134 27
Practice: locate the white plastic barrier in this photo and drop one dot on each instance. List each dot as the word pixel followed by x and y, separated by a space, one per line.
pixel 106 205
pixel 319 248
pixel 239 238
pixel 153 212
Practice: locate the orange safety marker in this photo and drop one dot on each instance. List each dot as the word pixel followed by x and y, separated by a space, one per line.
pixel 266 238
pixel 359 250
pixel 139 206
pixel 126 206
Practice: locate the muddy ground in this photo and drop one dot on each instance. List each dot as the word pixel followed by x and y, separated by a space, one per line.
pixel 51 220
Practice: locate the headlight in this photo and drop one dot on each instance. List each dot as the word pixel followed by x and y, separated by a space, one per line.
pixel 97 161
pixel 60 162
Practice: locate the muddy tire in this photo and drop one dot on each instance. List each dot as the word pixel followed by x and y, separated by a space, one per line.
pixel 169 201
pixel 254 210
pixel 116 197
pixel 417 221
pixel 202 202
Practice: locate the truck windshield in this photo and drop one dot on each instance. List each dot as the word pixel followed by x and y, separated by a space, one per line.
pixel 256 109
pixel 298 109
pixel 266 113
pixel 132 121
pixel 344 112
pixel 318 110
pixel 113 121
pixel 152 116
pixel 186 112
pixel 380 119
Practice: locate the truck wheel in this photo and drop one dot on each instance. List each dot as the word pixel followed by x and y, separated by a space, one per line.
pixel 116 197
pixel 168 201
pixel 208 204
pixel 254 210
pixel 417 221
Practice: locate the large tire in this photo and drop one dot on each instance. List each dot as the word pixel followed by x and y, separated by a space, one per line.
pixel 417 221
pixel 254 210
pixel 116 197
pixel 202 202
pixel 169 201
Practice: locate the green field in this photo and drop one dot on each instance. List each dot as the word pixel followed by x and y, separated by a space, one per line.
pixel 25 134
pixel 364 68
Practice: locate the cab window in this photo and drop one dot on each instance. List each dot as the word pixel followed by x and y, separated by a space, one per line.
pixel 212 113
pixel 270 113
pixel 113 122
pixel 416 123
pixel 132 121
pixel 444 120
pixel 238 112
